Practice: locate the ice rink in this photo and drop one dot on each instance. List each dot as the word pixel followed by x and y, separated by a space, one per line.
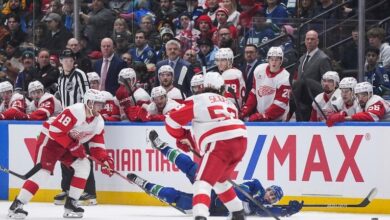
pixel 49 211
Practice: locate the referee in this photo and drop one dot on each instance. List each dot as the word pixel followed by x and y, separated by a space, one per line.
pixel 72 84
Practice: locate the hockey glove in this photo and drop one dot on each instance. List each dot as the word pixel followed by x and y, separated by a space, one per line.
pixel 293 207
pixel 132 112
pixel 335 118
pixel 108 169
pixel 143 115
pixel 257 117
pixel 77 151
pixel 186 143
pixel 244 112
pixel 157 117
pixel 9 114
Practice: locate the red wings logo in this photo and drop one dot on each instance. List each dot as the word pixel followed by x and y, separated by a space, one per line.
pixel 265 90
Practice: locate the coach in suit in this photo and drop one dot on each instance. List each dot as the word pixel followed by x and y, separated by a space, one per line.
pixel 109 66
pixel 251 61
pixel 183 70
pixel 312 65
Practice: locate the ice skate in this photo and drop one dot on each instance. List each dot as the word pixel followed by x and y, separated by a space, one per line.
pixel 200 218
pixel 16 210
pixel 157 143
pixel 87 199
pixel 59 199
pixel 137 180
pixel 72 210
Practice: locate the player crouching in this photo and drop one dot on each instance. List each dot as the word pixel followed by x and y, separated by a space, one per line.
pixel 62 139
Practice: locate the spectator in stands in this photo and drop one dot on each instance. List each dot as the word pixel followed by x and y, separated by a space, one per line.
pixel 122 29
pixel 376 38
pixel 349 56
pixel 249 9
pixel 109 66
pixel 312 65
pixel 251 61
pixel 67 16
pixel 231 6
pixel 140 11
pixel 99 23
pixel 166 35
pixel 325 5
pixel 55 6
pixel 287 45
pixel 19 8
pixel 15 30
pixel 27 74
pixel 39 34
pixel 82 61
pixel 212 6
pixel 306 8
pixel 153 37
pixel 207 52
pixel 13 65
pixel 45 73
pixel 127 58
pixel 142 52
pixel 57 37
pixel 183 71
pixel 191 57
pixel 194 9
pixel 187 35
pixel 122 44
pixel 167 11
pixel 276 12
pixel 205 26
pixel 375 74
pixel 226 39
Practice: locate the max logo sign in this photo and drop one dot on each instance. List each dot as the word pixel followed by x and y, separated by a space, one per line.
pixel 289 151
pixel 31 147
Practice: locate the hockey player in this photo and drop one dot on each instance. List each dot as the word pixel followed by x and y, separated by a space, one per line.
pixel 197 84
pixel 160 106
pixel 350 104
pixel 183 200
pixel 13 103
pixel 43 105
pixel 62 139
pixel 94 80
pixel 111 111
pixel 233 77
pixel 130 101
pixel 330 100
pixel 269 98
pixel 165 76
pixel 220 138
pixel 375 108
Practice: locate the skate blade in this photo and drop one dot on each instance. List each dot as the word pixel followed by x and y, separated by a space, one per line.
pixel 71 214
pixel 59 202
pixel 16 215
pixel 88 202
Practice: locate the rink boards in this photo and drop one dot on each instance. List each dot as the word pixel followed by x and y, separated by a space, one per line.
pixel 310 161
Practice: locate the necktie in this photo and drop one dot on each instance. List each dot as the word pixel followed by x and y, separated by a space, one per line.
pixel 103 74
pixel 305 61
pixel 247 69
pixel 172 64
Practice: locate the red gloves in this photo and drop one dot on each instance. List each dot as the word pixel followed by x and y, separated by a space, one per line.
pixel 157 117
pixel 77 150
pixel 335 118
pixel 9 114
pixel 257 117
pixel 244 112
pixel 132 112
pixel 186 143
pixel 143 115
pixel 108 169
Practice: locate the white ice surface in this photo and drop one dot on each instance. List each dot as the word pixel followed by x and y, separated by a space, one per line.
pixel 44 211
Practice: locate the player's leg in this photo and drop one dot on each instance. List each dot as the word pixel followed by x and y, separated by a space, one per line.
pixel 48 153
pixel 66 174
pixel 88 197
pixel 181 160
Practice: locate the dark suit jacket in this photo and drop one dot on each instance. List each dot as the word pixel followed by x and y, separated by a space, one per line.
pixel 116 65
pixel 183 71
pixel 316 67
pixel 249 77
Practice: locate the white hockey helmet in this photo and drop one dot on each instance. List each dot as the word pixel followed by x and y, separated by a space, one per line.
pixel 332 75
pixel 107 95
pixel 197 80
pixel 165 69
pixel 363 87
pixel 94 96
pixel 35 85
pixel 275 52
pixel 128 74
pixel 6 86
pixel 348 83
pixel 213 80
pixel 157 92
pixel 225 53
pixel 93 76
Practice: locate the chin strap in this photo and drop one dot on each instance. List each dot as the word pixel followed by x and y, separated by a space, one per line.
pixel 90 109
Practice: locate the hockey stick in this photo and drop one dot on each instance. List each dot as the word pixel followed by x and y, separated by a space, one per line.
pixel 313 98
pixel 365 202
pixel 104 165
pixel 127 86
pixel 231 91
pixel 237 186
pixel 141 184
pixel 30 173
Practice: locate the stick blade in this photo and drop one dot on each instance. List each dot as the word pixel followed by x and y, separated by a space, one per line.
pixel 371 195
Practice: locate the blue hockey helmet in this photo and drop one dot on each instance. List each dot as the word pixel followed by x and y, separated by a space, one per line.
pixel 278 192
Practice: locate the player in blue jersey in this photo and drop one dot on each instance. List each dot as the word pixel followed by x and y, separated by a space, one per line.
pixel 183 201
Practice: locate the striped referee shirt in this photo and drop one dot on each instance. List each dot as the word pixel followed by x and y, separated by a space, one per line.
pixel 72 87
